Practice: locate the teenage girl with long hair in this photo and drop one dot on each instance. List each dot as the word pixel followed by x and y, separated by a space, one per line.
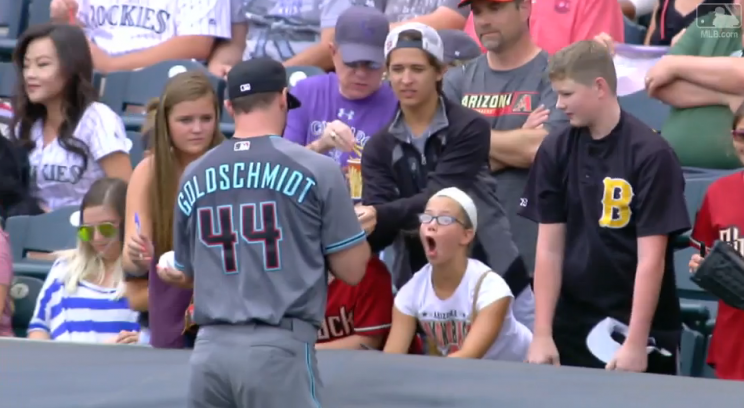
pixel 185 127
pixel 463 307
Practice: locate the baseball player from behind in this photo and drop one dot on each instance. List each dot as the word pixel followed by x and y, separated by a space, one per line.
pixel 257 222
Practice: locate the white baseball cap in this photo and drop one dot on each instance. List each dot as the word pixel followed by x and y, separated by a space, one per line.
pixel 464 200
pixel 430 41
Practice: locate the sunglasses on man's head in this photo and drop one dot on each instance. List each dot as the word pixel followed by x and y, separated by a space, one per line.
pixel 86 233
pixel 442 220
pixel 363 64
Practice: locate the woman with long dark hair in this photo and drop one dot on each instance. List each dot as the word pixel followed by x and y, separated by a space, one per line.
pixel 71 139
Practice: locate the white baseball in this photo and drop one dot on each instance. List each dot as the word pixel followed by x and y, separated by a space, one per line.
pixel 167 260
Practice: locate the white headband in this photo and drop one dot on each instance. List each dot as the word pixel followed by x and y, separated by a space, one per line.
pixel 464 201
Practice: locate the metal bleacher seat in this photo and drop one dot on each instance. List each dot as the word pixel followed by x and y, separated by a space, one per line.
pixel 8 80
pixel 634 32
pixel 651 111
pixel 13 15
pixel 24 291
pixel 44 233
pixel 138 148
pixel 38 12
pixel 135 88
pixel 692 353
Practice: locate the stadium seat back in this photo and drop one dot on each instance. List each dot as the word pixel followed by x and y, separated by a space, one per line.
pixel 297 74
pixel 24 291
pixel 8 80
pixel 634 33
pixel 692 353
pixel 38 12
pixel 135 88
pixel 12 18
pixel 41 233
pixel 708 371
pixel 651 111
pixel 138 148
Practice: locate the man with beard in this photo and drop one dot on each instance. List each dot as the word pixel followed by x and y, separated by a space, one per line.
pixel 509 87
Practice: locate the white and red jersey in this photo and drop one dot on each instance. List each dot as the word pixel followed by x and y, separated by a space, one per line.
pixel 364 309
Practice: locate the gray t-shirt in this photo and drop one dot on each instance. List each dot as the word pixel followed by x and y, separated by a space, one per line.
pixel 255 219
pixel 506 99
pixel 404 10
pixel 281 29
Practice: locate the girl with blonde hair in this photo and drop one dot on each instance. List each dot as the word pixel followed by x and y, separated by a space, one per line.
pixel 82 299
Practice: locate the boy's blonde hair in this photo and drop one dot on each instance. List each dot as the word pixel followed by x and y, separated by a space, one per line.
pixel 583 62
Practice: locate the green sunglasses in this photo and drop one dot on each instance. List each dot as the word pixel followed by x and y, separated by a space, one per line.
pixel 106 229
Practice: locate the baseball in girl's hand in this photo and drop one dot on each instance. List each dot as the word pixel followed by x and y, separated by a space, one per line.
pixel 167 260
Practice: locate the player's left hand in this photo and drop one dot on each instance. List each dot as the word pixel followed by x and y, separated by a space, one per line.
pixel 661 74
pixel 367 217
pixel 173 277
pixel 629 358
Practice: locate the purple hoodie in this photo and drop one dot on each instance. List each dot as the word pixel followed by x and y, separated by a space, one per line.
pixel 322 103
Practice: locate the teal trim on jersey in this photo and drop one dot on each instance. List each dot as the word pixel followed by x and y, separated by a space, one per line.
pixel 311 375
pixel 275 136
pixel 345 243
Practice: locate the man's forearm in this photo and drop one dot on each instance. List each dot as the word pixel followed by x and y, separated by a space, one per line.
pixel 682 93
pixel 645 298
pixel 516 148
pixel 722 74
pixel 317 55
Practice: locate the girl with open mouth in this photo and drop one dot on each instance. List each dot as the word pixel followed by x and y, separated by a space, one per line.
pixel 464 308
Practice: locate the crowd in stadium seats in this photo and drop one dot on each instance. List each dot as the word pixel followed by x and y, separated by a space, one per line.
pixel 105 103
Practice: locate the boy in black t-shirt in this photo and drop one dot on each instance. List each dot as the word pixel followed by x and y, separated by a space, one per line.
pixel 608 194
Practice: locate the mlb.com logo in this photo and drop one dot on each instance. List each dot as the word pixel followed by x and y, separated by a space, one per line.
pixel 718 20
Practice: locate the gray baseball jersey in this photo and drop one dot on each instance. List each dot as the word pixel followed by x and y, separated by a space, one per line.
pixel 404 10
pixel 255 219
pixel 281 29
pixel 506 99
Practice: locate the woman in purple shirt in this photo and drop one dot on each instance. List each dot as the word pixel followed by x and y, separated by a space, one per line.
pixel 185 127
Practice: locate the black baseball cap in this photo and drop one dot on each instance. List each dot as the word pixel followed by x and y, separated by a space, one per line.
pixel 258 75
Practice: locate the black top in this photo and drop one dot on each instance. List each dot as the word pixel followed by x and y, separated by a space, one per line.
pixel 669 21
pixel 399 180
pixel 609 192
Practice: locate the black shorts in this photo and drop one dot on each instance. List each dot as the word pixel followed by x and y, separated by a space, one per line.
pixel 570 340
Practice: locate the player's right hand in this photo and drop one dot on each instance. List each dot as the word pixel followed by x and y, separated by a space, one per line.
pixel 61 10
pixel 543 351
pixel 607 41
pixel 695 262
pixel 337 135
pixel 140 251
pixel 537 118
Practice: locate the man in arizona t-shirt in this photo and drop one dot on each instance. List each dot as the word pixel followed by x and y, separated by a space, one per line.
pixel 352 100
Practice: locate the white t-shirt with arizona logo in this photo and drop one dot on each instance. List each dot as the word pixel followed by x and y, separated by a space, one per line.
pixel 448 321
pixel 57 174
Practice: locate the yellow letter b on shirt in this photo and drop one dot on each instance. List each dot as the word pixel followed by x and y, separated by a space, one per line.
pixel 616 203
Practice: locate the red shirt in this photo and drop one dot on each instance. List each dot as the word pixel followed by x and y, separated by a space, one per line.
pixel 365 309
pixel 555 24
pixel 721 219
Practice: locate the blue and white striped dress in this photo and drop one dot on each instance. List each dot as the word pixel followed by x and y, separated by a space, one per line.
pixel 91 314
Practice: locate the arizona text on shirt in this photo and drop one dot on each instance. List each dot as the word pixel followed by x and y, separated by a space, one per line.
pixel 254 175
